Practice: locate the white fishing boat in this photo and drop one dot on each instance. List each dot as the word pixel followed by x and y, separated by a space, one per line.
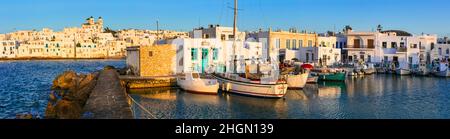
pixel 312 79
pixel 197 83
pixel 422 70
pixel 369 69
pixel 442 70
pixel 265 85
pixel 401 71
pixel 297 81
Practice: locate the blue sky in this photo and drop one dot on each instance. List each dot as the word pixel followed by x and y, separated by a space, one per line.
pixel 415 16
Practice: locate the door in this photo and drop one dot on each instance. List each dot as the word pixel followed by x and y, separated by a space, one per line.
pixel 357 43
pixel 205 59
pixel 395 60
pixel 410 62
pixel 370 43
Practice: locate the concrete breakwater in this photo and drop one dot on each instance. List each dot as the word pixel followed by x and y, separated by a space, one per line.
pixel 98 95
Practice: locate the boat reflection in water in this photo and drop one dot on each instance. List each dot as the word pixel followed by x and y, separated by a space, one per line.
pixel 374 96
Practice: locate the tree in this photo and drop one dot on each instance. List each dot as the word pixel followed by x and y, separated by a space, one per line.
pixel 108 30
pixel 379 28
pixel 347 28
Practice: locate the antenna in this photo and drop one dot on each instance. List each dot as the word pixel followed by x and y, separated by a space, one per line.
pixel 157 30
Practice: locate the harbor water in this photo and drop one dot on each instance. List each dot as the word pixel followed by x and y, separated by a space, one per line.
pixel 25 85
pixel 372 97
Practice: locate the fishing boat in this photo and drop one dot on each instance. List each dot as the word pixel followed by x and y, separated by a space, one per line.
pixel 266 84
pixel 422 70
pixel 198 83
pixel 401 71
pixel 297 81
pixel 369 69
pixel 312 79
pixel 442 70
pixel 339 76
pixel 265 87
pixel 330 74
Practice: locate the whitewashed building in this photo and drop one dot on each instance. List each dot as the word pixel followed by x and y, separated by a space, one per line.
pixel 8 49
pixel 206 55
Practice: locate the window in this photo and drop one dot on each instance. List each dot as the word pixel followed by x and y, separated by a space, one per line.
pixel 57 45
pixel 440 51
pixel 369 57
pixel 194 53
pixel 300 43
pixel 384 44
pixel 402 44
pixel 222 37
pixel 386 59
pixel 277 43
pixel 310 44
pixel 46 45
pixel 288 44
pixel 432 46
pixel 393 44
pixel 307 57
pixel 215 54
pixel 447 51
pixel 294 44
pixel 150 53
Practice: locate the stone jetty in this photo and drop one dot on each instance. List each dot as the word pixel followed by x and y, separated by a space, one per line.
pixel 98 95
pixel 108 100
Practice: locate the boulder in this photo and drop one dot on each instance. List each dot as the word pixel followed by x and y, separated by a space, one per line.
pixel 68 110
pixel 66 80
pixel 50 112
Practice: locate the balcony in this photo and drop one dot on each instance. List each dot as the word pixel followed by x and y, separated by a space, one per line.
pixel 360 46
pixel 402 49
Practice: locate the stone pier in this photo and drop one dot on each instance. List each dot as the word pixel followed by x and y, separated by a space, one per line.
pixel 108 99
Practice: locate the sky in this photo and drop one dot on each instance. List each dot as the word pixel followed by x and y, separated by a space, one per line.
pixel 414 16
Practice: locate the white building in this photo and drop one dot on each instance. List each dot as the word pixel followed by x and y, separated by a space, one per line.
pixel 8 49
pixel 325 54
pixel 202 55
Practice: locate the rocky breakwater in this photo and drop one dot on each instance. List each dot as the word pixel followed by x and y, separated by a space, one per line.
pixel 70 92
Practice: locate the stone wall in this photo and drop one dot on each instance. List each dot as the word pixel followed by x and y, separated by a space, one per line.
pixel 157 60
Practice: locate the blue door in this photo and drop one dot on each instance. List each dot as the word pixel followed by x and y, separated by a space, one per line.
pixel 205 59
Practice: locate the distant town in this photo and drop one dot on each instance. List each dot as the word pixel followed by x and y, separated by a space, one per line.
pixel 92 40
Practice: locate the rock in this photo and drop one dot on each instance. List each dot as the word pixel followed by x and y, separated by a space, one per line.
pixel 86 80
pixel 68 110
pixel 66 80
pixel 50 112
pixel 109 67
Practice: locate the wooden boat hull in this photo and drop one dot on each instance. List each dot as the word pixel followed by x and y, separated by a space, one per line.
pixel 297 81
pixel 403 72
pixel 312 79
pixel 206 86
pixel 332 77
pixel 369 71
pixel 445 73
pixel 277 90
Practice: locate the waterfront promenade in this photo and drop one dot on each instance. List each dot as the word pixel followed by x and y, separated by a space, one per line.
pixel 108 99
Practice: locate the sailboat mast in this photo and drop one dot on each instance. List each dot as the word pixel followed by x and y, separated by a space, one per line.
pixel 235 37
pixel 235 19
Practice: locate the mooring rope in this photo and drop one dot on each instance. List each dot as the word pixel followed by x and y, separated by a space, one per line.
pixel 142 107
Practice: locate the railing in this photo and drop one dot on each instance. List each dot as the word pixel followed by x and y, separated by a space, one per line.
pixel 361 46
pixel 401 49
